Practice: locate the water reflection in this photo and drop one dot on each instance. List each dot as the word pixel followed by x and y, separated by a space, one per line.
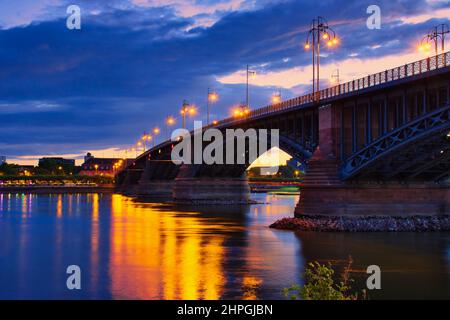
pixel 131 249
pixel 174 257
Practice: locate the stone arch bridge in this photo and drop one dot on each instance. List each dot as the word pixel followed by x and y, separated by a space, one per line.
pixel 375 145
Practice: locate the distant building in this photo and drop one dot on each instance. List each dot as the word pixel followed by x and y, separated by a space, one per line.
pixel 25 170
pixel 57 165
pixel 2 160
pixel 102 166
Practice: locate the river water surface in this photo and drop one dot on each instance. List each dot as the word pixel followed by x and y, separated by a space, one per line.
pixel 132 249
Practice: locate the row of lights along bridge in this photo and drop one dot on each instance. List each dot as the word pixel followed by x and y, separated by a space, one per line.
pixel 319 33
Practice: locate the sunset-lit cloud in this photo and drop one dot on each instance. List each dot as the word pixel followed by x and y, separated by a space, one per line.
pixel 79 157
pixel 350 69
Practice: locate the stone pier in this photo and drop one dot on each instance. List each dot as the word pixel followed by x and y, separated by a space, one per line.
pixel 212 190
pixel 324 193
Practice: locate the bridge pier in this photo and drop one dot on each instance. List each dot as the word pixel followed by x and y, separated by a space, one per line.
pixel 212 190
pixel 325 193
pixel 155 188
pixel 392 200
pixel 151 187
pixel 129 185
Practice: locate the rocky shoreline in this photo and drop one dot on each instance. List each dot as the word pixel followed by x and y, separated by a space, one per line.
pixel 365 223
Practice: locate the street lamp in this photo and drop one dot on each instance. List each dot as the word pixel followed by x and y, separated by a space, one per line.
pixel 241 111
pixel 170 121
pixel 187 109
pixel 146 137
pixel 335 77
pixel 250 73
pixel 439 31
pixel 276 98
pixel 212 98
pixel 319 31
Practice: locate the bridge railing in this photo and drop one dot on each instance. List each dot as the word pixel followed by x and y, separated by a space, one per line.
pixel 408 70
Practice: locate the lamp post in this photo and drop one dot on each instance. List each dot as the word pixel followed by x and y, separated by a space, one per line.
pixel 276 97
pixel 170 121
pixel 252 74
pixel 319 31
pixel 437 32
pixel 240 111
pixel 145 138
pixel 211 98
pixel 155 131
pixel 186 109
pixel 335 77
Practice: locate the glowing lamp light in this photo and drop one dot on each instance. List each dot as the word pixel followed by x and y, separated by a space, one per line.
pixel 335 40
pixel 170 121
pixel 329 43
pixel 424 47
pixel 156 130
pixel 276 99
pixel 325 36
pixel 213 97
pixel 307 46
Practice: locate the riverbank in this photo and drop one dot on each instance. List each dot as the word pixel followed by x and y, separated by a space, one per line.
pixel 58 189
pixel 365 224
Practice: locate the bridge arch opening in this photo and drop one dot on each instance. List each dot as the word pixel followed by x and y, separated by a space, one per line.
pixel 270 162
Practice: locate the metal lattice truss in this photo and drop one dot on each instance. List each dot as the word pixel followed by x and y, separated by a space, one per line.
pixel 419 149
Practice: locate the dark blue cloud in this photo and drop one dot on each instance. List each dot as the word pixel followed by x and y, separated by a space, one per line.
pixel 128 68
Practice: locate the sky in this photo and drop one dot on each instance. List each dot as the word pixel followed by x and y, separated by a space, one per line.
pixel 133 62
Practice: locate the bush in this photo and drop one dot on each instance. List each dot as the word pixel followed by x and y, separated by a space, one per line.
pixel 320 285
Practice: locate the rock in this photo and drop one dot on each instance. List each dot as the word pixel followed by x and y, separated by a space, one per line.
pixel 364 223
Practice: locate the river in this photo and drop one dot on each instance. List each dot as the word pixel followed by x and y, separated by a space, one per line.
pixel 133 249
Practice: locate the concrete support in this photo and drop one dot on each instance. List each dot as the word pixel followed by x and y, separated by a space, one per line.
pixel 374 200
pixel 211 190
pixel 130 185
pixel 151 188
pixel 323 192
pixel 155 188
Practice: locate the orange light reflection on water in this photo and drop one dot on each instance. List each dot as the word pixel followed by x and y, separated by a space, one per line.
pixel 163 255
